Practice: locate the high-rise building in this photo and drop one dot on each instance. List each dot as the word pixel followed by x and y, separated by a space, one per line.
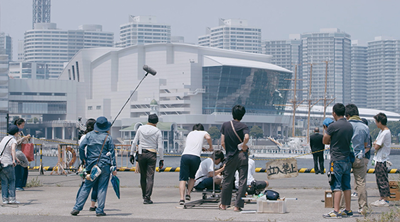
pixel 21 50
pixel 4 59
pixel 6 45
pixel 383 74
pixel 234 34
pixel 287 54
pixel 41 11
pixel 333 46
pixel 45 44
pixel 359 71
pixel 143 30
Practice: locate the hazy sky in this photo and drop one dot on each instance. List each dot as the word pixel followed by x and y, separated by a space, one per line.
pixel 362 19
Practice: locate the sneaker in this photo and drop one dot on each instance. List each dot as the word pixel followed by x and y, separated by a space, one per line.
pixel 380 203
pixel 74 212
pixel 12 200
pixel 346 213
pixel 182 202
pixel 19 189
pixel 354 194
pixel 333 215
pixel 187 197
pixel 92 208
pixel 101 214
pixel 362 211
pixel 147 201
pixel 5 200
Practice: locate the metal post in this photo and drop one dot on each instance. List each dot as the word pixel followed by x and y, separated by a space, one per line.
pixel 309 106
pixel 8 120
pixel 294 101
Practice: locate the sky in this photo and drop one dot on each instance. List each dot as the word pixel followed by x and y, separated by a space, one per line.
pixel 362 19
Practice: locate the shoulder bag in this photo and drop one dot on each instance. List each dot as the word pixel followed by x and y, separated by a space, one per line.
pixel 96 171
pixel 1 166
pixel 240 146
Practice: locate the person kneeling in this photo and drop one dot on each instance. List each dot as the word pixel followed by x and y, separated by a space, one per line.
pixel 205 173
pixel 253 186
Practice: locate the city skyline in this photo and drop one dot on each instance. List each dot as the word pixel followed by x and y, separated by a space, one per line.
pixel 359 18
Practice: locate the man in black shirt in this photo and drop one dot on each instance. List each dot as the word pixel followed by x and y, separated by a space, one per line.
pixel 317 148
pixel 339 135
pixel 234 133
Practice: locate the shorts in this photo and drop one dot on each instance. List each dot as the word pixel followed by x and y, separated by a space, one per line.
pixel 189 166
pixel 341 170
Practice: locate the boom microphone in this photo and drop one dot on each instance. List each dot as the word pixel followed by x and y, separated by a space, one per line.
pixel 149 70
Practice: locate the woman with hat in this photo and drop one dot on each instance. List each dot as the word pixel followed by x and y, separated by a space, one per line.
pixel 8 161
pixel 100 152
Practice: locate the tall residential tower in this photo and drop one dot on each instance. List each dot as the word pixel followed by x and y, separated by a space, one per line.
pixel 333 46
pixel 234 34
pixel 143 30
pixel 46 44
pixel 383 74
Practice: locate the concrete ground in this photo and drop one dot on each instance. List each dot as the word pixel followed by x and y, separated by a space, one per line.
pixel 54 200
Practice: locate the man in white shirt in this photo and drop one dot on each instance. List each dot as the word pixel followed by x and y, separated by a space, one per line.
pixel 149 138
pixel 190 159
pixel 382 152
pixel 253 186
pixel 205 173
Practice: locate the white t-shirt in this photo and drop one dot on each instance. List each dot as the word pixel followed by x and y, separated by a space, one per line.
pixel 80 141
pixel 194 143
pixel 250 172
pixel 205 167
pixel 6 158
pixel 384 139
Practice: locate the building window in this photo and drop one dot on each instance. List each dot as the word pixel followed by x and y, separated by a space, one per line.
pixel 45 94
pixel 30 94
pixel 73 72
pixel 77 71
pixel 89 108
pixel 15 93
pixel 60 94
pixel 98 107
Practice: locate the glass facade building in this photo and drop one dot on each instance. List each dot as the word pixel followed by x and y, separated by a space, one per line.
pixel 256 89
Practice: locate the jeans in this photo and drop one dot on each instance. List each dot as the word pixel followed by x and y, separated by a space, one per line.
pixel 147 165
pixel 7 176
pixel 102 181
pixel 21 176
pixel 341 170
pixel 94 190
pixel 240 163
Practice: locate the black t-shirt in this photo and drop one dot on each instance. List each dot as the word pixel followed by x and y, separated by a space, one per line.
pixel 316 142
pixel 341 133
pixel 231 140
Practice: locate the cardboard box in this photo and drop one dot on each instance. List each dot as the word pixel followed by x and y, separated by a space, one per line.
pixel 271 206
pixel 328 199
pixel 394 191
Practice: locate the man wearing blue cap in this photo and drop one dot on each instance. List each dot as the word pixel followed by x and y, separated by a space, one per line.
pixel 100 152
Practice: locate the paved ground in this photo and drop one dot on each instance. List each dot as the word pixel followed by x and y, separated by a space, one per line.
pixel 55 199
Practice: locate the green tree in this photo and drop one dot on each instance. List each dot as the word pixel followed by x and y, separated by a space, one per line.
pixel 214 132
pixel 394 127
pixel 256 132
